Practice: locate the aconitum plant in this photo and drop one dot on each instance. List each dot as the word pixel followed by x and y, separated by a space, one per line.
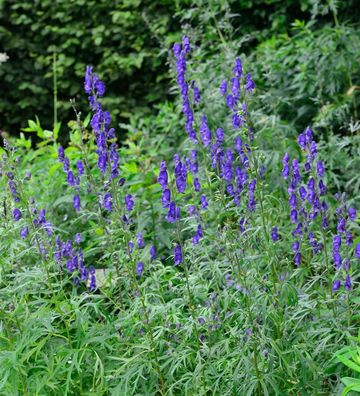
pixel 194 275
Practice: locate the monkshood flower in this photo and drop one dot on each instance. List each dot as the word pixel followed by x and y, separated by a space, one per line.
pixel 107 202
pixel 336 285
pixel 153 254
pixel 274 234
pixel 180 176
pixel 203 202
pixel 352 214
pixel 223 88
pixel 61 154
pixel 219 135
pixel 13 190
pixel 17 214
pixel 178 256
pixel 41 221
pixel 250 85
pixel 194 166
pixel 131 246
pixel 347 284
pixel 205 132
pixel 70 178
pixel 357 250
pixel 317 246
pixel 198 235
pixel 196 92
pixel 66 164
pixel 197 185
pixel 129 202
pixel 192 210
pixel 140 240
pixel 173 213
pixel 139 268
pixel 92 285
pixel 77 238
pixel 238 71
pixel 76 202
pixel 163 176
pixel 80 167
pixel 165 198
pixel 24 232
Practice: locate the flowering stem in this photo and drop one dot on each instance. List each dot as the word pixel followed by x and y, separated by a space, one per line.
pixel 147 318
pixel 251 320
pixel 193 314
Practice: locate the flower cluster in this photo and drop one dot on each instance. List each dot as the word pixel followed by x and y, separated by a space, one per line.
pixel 342 242
pixel 180 51
pixel 231 163
pixel 306 195
pixel 37 216
pixel 72 179
pixel 74 259
pixel 108 157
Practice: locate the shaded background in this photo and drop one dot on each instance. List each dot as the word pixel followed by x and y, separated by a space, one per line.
pixel 128 42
